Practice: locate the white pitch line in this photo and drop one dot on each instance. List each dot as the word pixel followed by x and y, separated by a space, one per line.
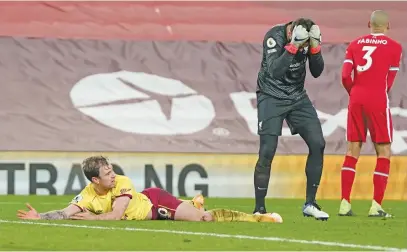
pixel 246 237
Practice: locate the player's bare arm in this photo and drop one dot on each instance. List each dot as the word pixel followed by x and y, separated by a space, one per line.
pixel 316 61
pixel 62 214
pixel 119 207
pixel 54 215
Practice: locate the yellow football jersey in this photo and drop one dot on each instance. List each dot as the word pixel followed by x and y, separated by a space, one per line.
pixel 138 208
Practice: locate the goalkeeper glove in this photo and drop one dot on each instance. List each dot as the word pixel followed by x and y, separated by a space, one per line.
pixel 315 39
pixel 299 37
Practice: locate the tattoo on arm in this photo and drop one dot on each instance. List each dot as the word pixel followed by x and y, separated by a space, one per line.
pixel 54 215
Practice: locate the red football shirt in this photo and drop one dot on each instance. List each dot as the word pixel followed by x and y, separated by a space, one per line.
pixel 374 60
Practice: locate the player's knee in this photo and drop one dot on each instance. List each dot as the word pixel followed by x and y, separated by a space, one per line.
pixel 317 145
pixel 187 212
pixel 383 150
pixel 353 149
pixel 268 147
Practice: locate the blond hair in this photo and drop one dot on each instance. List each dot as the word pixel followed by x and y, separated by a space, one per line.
pixel 91 166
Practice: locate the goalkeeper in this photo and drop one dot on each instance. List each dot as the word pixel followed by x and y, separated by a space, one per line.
pixel 281 96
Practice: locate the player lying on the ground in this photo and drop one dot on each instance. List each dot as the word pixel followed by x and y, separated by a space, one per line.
pixel 281 96
pixel 375 60
pixel 113 197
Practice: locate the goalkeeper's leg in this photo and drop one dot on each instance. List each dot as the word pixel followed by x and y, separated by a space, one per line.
pixel 268 147
pixel 303 119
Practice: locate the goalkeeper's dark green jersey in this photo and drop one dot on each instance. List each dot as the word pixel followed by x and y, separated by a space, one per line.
pixel 282 74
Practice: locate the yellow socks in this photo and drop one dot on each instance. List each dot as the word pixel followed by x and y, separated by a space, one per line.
pixel 225 215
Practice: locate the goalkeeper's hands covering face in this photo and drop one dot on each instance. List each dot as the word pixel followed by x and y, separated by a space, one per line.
pixel 300 36
pixel 315 36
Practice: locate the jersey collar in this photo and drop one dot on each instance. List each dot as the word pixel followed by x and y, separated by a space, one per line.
pixel 377 34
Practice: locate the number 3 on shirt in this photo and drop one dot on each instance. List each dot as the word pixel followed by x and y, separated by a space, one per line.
pixel 368 57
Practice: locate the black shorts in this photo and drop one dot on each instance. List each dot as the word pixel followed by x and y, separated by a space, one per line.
pixel 299 115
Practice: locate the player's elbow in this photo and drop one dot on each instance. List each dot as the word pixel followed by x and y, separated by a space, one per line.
pixel 347 83
pixel 343 80
pixel 346 79
pixel 316 72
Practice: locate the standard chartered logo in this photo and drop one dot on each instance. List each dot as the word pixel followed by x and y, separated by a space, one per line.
pixel 142 103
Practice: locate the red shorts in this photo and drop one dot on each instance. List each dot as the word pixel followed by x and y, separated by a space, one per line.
pixel 164 203
pixel 378 121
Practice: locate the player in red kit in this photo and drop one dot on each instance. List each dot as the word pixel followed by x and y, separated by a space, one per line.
pixel 374 60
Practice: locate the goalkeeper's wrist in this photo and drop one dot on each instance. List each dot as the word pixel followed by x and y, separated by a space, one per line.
pixel 291 48
pixel 315 49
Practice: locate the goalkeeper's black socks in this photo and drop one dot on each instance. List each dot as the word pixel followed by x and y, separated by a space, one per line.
pixel 260 210
pixel 261 182
pixel 311 192
pixel 313 170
